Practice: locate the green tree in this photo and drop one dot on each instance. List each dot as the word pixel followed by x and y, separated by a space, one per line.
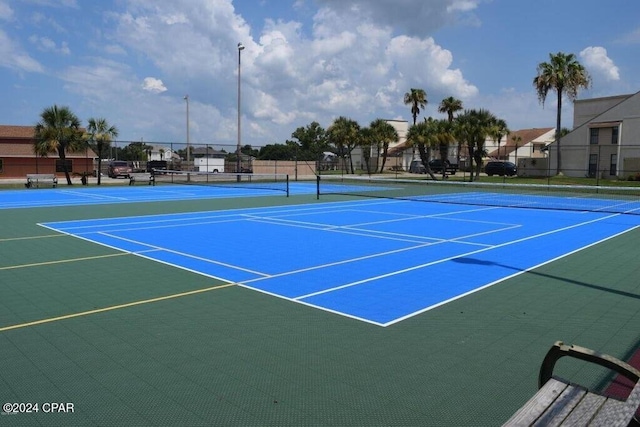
pixel 99 134
pixel 497 131
pixel 58 131
pixel 417 99
pixel 564 74
pixel 383 135
pixel 450 106
pixel 472 127
pixel 344 135
pixel 424 135
pixel 311 140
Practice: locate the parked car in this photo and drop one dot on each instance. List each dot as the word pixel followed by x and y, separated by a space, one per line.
pixel 500 168
pixel 436 166
pixel 416 166
pixel 119 168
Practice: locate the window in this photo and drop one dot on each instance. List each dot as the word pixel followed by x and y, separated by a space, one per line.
pixel 593 139
pixel 614 135
pixel 614 164
pixel 60 167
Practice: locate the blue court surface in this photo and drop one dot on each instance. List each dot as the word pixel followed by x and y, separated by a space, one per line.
pixel 379 261
pixel 79 196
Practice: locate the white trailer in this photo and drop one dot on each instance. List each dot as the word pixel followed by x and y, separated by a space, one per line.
pixel 204 164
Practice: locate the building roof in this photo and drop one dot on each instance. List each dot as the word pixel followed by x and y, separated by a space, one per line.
pixel 527 136
pixel 9 131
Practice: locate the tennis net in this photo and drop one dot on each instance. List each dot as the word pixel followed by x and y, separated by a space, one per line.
pixel 269 182
pixel 607 199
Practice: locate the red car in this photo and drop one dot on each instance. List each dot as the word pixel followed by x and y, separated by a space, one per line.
pixel 119 168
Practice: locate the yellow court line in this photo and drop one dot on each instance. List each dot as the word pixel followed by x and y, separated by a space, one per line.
pixel 62 261
pixel 114 307
pixel 11 239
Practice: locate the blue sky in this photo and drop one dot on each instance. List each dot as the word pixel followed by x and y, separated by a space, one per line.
pixel 133 61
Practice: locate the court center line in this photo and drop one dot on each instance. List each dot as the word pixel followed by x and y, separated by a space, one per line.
pixel 114 307
pixel 62 261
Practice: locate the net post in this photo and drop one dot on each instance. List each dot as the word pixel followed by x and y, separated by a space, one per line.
pixel 287 185
pixel 317 187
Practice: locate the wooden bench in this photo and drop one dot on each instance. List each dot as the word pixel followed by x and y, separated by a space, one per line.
pixel 559 402
pixel 141 177
pixel 35 179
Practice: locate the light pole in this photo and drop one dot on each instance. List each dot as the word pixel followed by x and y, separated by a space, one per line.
pixel 186 98
pixel 240 48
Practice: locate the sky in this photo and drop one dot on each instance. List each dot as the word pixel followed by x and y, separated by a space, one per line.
pixel 133 62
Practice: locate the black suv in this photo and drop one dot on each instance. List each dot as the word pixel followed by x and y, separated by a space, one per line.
pixel 500 168
pixel 436 166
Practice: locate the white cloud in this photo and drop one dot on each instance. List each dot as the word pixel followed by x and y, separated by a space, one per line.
pixel 151 84
pixel 47 45
pixel 14 57
pixel 6 13
pixel 596 61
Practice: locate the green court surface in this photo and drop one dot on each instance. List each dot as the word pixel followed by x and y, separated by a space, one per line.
pixel 130 341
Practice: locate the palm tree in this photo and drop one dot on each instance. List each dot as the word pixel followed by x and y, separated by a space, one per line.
pixel 473 127
pixel 100 134
pixel 450 106
pixel 444 137
pixel 426 136
pixel 497 130
pixel 417 98
pixel 366 140
pixel 344 135
pixel 564 74
pixel 386 134
pixel 58 130
pixel 516 140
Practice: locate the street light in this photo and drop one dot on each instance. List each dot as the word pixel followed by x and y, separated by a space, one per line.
pixel 186 98
pixel 240 48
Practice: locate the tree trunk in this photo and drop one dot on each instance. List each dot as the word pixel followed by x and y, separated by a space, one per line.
pixel 63 158
pixel 558 124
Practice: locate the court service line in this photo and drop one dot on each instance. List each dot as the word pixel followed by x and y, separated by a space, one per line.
pixel 114 307
pixel 62 261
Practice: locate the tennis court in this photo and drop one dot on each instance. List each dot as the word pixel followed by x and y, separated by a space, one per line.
pixel 196 305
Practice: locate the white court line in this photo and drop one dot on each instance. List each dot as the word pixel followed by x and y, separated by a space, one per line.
pixel 92 196
pixel 441 303
pixel 417 267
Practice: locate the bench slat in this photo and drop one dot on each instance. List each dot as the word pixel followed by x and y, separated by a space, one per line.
pixel 618 413
pixel 537 405
pixel 570 398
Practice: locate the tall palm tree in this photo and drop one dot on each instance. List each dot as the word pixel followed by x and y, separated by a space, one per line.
pixel 58 131
pixel 344 135
pixel 426 135
pixel 450 106
pixel 417 98
pixel 564 74
pixel 386 134
pixel 100 134
pixel 497 130
pixel 517 139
